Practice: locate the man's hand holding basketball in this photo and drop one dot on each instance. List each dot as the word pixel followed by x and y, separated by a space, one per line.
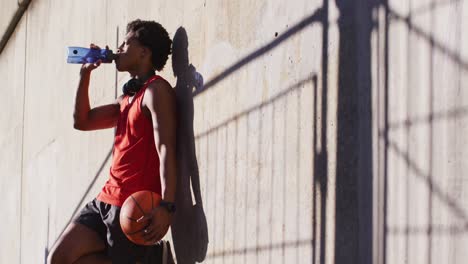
pixel 160 220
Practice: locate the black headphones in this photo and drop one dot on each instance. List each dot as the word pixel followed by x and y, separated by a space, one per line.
pixel 133 86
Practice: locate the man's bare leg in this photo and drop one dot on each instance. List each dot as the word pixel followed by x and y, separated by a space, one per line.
pixel 77 242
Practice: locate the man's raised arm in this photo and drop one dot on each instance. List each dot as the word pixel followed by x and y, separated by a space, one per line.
pixel 84 117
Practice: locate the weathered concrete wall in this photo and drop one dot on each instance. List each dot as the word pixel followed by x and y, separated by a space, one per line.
pixel 326 131
pixel 426 132
pixel 7 12
pixel 12 73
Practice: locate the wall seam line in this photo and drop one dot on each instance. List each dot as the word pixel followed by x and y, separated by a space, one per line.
pixel 22 138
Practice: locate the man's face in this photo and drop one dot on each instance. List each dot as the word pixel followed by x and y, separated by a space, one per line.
pixel 130 53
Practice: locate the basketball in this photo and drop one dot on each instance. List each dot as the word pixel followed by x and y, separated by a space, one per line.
pixel 136 206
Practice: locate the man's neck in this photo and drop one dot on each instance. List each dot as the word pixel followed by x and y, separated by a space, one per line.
pixel 143 75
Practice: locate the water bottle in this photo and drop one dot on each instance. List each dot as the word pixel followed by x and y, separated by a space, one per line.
pixel 86 55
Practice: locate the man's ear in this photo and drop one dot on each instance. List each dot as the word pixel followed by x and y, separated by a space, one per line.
pixel 146 52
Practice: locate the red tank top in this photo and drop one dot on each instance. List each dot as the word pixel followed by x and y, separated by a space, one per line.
pixel 135 161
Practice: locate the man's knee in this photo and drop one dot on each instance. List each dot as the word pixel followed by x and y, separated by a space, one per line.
pixel 77 241
pixel 58 255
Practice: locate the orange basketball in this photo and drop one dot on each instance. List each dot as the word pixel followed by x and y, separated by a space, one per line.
pixel 135 206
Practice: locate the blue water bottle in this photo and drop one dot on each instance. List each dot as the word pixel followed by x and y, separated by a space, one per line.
pixel 82 55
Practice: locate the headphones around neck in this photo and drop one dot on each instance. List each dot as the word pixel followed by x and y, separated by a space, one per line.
pixel 133 86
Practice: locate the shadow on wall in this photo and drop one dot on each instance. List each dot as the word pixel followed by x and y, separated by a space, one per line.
pixel 252 220
pixel 428 196
pixel 439 131
pixel 189 229
pixel 354 226
pixel 354 188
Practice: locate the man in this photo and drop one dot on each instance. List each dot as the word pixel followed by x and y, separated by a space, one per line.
pixel 143 155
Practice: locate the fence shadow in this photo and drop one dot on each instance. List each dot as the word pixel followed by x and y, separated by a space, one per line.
pixel 436 195
pixel 354 166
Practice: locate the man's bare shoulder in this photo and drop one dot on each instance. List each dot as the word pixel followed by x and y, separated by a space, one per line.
pixel 160 89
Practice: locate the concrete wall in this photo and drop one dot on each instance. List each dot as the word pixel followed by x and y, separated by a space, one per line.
pixel 426 132
pixel 7 12
pixel 11 141
pixel 326 131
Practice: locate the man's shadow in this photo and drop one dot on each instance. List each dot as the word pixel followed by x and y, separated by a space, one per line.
pixel 189 229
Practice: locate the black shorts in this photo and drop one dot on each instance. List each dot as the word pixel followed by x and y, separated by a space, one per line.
pixel 104 219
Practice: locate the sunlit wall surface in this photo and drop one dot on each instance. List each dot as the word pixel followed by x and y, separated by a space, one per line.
pixel 325 131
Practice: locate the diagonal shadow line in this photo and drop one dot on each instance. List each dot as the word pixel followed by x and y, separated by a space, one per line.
pixel 452 55
pixel 441 116
pixel 256 107
pixel 453 206
pixel 315 17
pixel 438 230
pixel 432 6
pixel 84 196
